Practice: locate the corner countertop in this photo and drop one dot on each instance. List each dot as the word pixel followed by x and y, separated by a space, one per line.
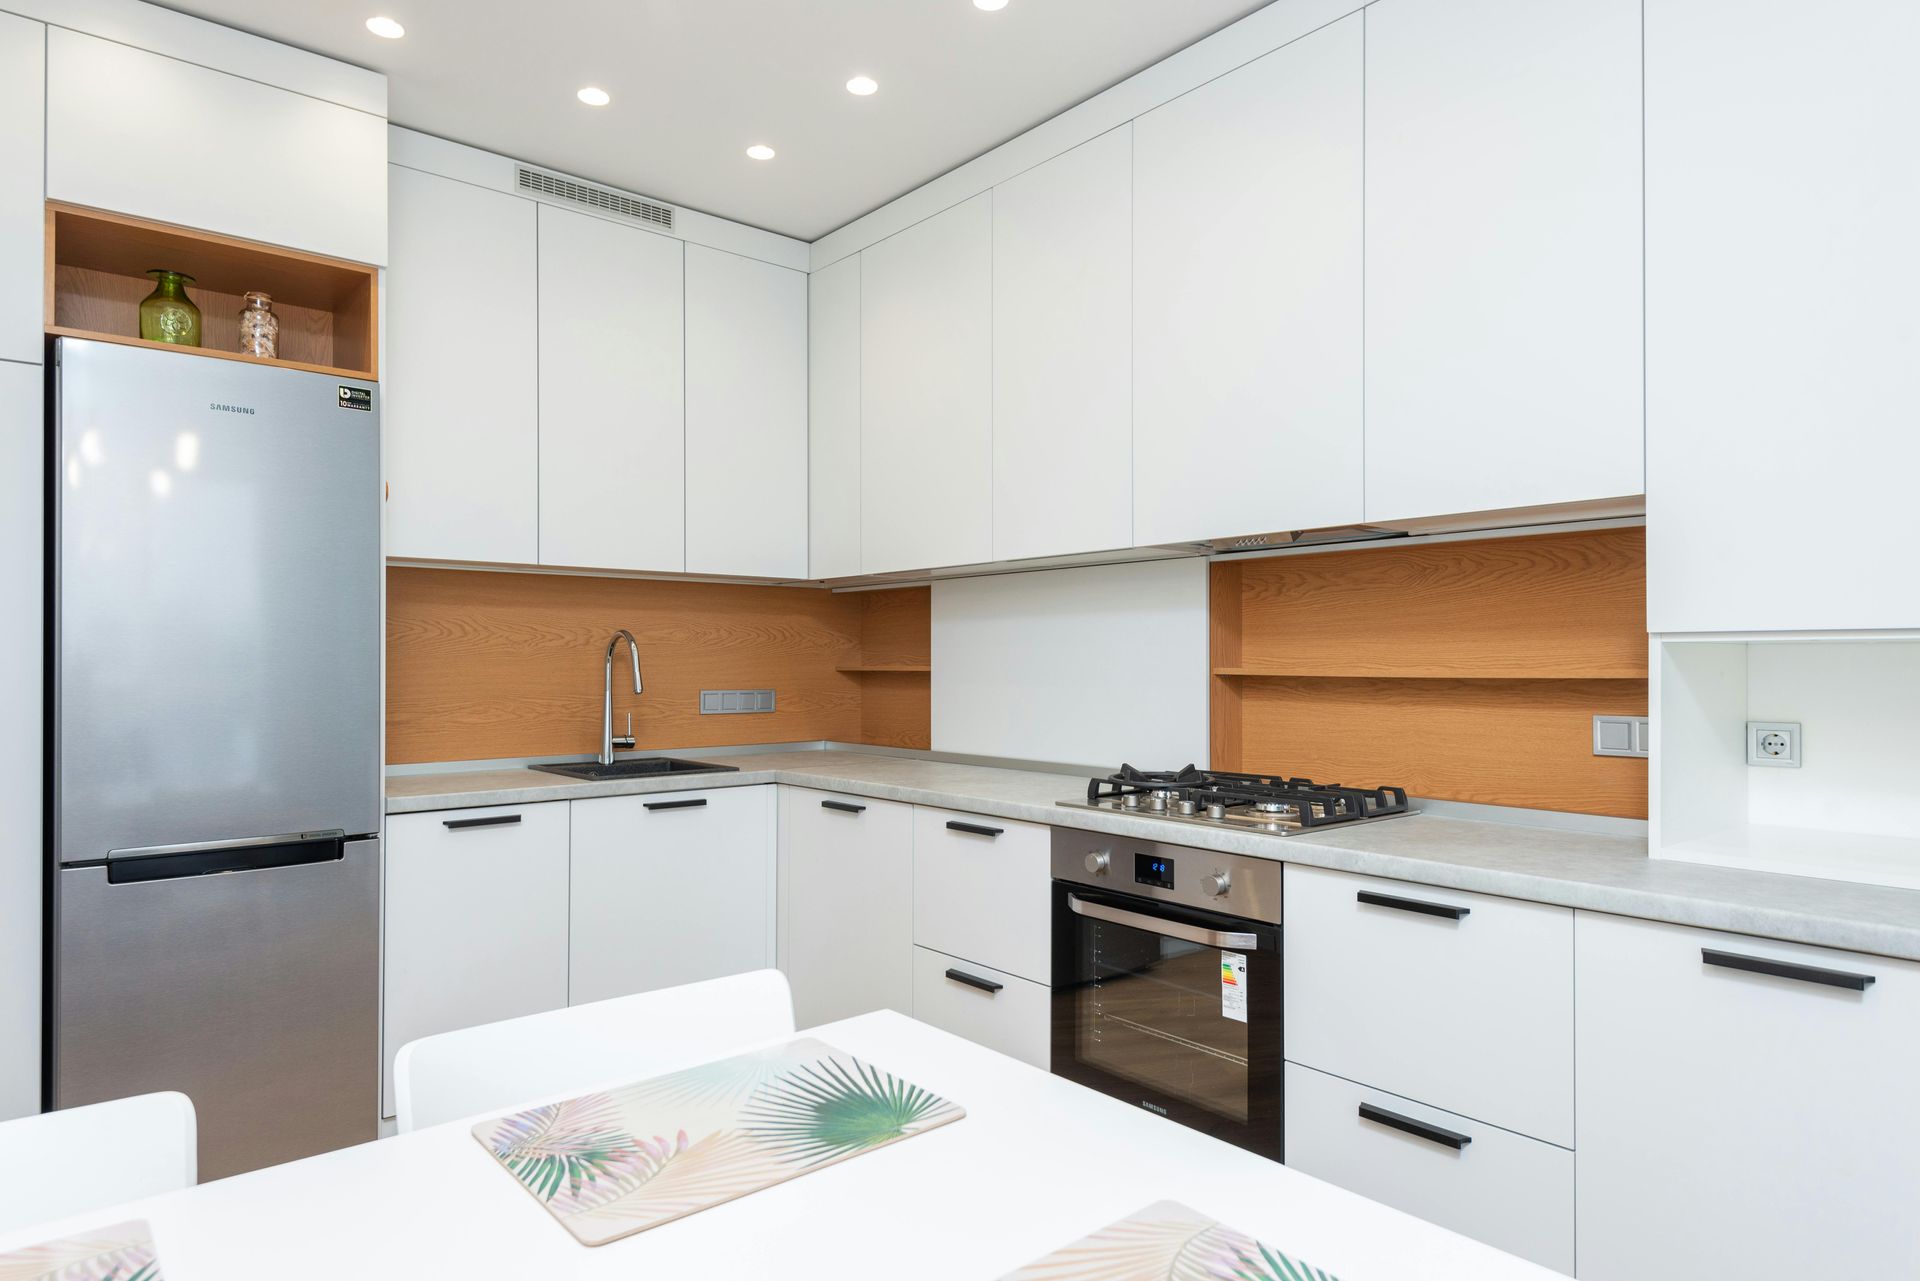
pixel 1600 873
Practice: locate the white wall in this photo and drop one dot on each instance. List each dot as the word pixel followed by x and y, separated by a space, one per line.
pixel 1079 666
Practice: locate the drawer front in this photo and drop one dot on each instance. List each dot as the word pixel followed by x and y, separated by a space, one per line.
pixel 846 904
pixel 1460 1000
pixel 1001 1011
pixel 1511 1192
pixel 455 879
pixel 981 889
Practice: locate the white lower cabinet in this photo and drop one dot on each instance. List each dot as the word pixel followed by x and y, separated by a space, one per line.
pixel 846 904
pixel 1746 1108
pixel 476 921
pixel 670 888
pixel 982 890
pixel 1493 1185
pixel 991 1007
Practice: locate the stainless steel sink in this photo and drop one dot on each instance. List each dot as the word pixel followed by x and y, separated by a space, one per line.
pixel 634 767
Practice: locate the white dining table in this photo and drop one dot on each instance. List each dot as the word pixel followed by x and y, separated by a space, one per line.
pixel 1036 1163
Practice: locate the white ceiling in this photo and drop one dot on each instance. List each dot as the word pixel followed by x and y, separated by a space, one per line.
pixel 695 82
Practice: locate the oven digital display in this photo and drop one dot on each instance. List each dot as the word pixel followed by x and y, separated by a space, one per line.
pixel 1153 869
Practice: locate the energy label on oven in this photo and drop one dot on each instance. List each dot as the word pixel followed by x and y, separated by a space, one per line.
pixel 1233 986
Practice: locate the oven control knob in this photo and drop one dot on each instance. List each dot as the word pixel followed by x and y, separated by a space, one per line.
pixel 1216 883
pixel 1098 861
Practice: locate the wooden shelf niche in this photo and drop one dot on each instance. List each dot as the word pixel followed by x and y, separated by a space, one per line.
pixel 96 276
pixel 895 666
pixel 1464 671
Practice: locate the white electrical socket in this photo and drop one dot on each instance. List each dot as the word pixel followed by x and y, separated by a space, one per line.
pixel 1774 743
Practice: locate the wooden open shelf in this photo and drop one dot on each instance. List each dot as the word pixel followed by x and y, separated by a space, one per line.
pixel 1464 671
pixel 96 276
pixel 871 668
pixel 894 667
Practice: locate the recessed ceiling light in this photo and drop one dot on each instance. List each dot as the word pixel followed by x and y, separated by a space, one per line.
pixel 386 28
pixel 861 86
pixel 594 97
pixel 760 151
pixel 991 6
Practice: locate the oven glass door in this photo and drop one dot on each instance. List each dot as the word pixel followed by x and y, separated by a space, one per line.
pixel 1173 1009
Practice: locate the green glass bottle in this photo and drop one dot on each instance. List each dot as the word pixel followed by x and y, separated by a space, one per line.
pixel 167 314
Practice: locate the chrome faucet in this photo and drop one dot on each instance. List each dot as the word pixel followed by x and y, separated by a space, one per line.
pixel 607 741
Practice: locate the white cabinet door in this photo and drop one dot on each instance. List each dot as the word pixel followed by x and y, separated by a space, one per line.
pixel 746 423
pixel 670 888
pixel 983 890
pixel 612 371
pixel 1504 320
pixel 462 418
pixel 846 904
pixel 926 393
pixel 1736 1123
pixel 989 1007
pixel 1511 1192
pixel 22 646
pixel 144 134
pixel 1063 353
pixel 1783 190
pixel 1246 298
pixel 476 921
pixel 833 420
pixel 23 228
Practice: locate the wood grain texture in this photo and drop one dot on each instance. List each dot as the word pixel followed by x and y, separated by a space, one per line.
pixel 1464 671
pixel 96 277
pixel 895 666
pixel 1554 605
pixel 484 665
pixel 1497 742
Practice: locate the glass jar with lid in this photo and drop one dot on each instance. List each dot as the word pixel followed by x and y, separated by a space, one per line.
pixel 259 327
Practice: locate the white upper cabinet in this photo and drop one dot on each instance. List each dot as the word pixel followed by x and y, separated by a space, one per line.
pixel 1503 250
pixel 1246 298
pixel 23 87
pixel 612 421
pixel 1062 353
pixel 144 134
pixel 746 424
pixel 462 416
pixel 1783 194
pixel 833 420
pixel 926 393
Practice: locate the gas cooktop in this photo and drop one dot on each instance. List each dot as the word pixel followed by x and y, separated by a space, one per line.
pixel 1239 802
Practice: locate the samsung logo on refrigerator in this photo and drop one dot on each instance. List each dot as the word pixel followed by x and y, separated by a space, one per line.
pixel 231 409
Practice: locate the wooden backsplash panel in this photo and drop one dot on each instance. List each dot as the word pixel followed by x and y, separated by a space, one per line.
pixel 897 626
pixel 1526 743
pixel 485 665
pixel 1554 605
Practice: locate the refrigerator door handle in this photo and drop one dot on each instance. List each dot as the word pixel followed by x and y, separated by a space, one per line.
pixel 201 847
pixel 249 857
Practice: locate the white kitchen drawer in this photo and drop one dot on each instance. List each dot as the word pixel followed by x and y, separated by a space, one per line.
pixel 476 921
pixel 1473 1014
pixel 982 889
pixel 845 904
pixel 1512 1192
pixel 1001 1011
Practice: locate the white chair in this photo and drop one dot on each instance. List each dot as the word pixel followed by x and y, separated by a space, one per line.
pixel 495 1066
pixel 86 1158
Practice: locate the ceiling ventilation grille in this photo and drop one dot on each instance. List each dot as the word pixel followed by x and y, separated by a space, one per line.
pixel 608 201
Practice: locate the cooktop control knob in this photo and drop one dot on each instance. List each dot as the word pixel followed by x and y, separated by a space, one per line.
pixel 1216 883
pixel 1098 861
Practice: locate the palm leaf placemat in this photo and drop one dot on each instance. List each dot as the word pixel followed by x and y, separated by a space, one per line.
pixel 611 1164
pixel 123 1252
pixel 1168 1242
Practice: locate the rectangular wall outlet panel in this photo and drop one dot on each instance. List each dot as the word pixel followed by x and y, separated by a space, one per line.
pixel 733 702
pixel 1620 736
pixel 1773 743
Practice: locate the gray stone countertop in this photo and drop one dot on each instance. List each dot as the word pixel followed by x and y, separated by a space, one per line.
pixel 1601 873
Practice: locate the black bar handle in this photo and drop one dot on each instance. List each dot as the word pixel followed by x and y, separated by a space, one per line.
pixel 676 805
pixel 1412 905
pixel 1787 970
pixel 974 980
pixel 843 807
pixel 1418 1129
pixel 975 828
pixel 494 820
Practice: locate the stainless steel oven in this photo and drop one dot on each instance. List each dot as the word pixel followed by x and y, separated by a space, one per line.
pixel 1166 982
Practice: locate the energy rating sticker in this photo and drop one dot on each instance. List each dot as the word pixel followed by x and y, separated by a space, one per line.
pixel 1233 986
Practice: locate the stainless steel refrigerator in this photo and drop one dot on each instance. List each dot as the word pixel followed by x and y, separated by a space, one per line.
pixel 214 663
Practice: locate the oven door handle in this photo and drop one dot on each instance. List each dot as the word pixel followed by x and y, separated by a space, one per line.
pixel 1162 926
